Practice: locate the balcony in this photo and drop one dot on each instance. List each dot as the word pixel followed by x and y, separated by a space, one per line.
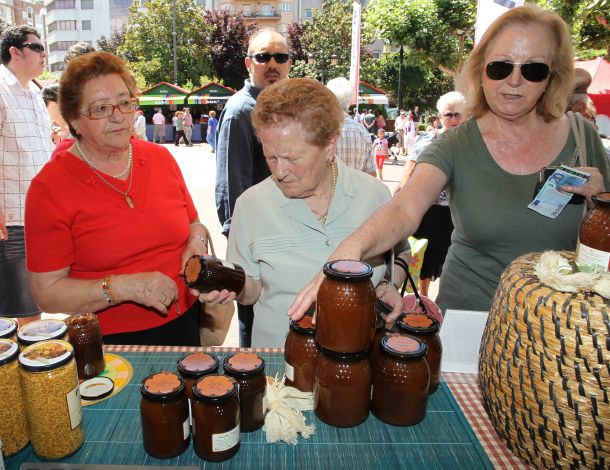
pixel 261 15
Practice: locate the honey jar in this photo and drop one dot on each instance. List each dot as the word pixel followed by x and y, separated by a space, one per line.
pixel 426 328
pixel 400 381
pixel 193 366
pixel 216 435
pixel 346 307
pixel 594 234
pixel 207 273
pixel 86 337
pixel 165 415
pixel 13 422
pixel 342 388
pixel 300 354
pixel 249 371
pixel 8 329
pixel 41 330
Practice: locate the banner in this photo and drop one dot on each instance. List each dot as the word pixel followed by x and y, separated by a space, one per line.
pixel 354 69
pixel 488 11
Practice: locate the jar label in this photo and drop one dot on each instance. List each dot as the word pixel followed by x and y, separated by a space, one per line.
pixel 74 407
pixel 1 458
pixel 186 429
pixel 225 440
pixel 8 348
pixel 592 257
pixel 45 354
pixel 289 371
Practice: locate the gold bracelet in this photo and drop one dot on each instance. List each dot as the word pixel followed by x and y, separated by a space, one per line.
pixel 107 291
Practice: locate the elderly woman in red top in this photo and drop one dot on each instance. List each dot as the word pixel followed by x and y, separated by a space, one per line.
pixel 110 223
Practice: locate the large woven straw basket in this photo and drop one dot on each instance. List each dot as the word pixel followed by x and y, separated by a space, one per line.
pixel 544 367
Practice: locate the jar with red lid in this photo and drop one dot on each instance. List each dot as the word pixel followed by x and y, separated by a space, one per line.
pixel 193 366
pixel 345 321
pixel 8 329
pixel 216 435
pixel 300 354
pixel 426 328
pixel 207 273
pixel 401 377
pixel 86 337
pixel 594 234
pixel 249 371
pixel 165 415
pixel 342 388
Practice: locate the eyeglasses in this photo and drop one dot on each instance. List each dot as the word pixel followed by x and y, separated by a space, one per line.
pixel 264 57
pixel 101 111
pixel 531 71
pixel 33 46
pixel 451 115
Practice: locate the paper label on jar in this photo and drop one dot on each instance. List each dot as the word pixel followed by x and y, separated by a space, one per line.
pixel 74 407
pixel 226 264
pixel 289 371
pixel 1 458
pixel 225 440
pixel 592 257
pixel 186 429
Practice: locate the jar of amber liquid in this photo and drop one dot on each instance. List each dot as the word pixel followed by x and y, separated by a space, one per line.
pixel 426 328
pixel 52 400
pixel 342 388
pixel 165 415
pixel 42 330
pixel 13 422
pixel 8 329
pixel 249 371
pixel 193 366
pixel 300 354
pixel 216 435
pixel 86 337
pixel 207 273
pixel 346 307
pixel 594 234
pixel 400 381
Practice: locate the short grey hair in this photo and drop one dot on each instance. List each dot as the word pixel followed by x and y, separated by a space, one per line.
pixel 453 98
pixel 343 90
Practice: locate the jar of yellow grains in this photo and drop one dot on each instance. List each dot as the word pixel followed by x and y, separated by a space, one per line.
pixel 52 400
pixel 13 423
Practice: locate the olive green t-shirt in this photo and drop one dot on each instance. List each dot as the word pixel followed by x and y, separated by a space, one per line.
pixel 493 225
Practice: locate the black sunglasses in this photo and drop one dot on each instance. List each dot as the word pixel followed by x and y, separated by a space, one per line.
pixel 264 57
pixel 531 71
pixel 33 46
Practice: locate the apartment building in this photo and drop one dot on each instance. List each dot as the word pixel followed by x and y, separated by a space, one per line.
pixel 18 12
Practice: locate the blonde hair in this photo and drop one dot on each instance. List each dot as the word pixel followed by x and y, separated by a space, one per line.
pixel 552 104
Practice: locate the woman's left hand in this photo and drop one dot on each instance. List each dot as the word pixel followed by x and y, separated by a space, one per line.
pixel 195 246
pixel 389 294
pixel 594 186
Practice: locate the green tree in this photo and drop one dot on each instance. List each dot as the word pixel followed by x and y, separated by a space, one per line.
pixel 114 42
pixel 148 42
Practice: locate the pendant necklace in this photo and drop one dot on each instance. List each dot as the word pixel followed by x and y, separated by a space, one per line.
pixel 322 218
pixel 97 172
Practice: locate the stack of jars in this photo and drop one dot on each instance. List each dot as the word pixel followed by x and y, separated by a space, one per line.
pixel 221 406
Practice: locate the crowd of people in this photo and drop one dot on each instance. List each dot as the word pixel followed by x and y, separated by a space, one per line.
pixel 104 222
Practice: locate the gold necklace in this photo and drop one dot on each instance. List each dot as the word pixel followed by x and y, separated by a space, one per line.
pixel 91 164
pixel 322 218
pixel 97 172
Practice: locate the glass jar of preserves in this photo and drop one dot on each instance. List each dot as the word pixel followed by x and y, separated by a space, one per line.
pixel 300 354
pixel 13 422
pixel 8 329
pixel 594 234
pixel 400 381
pixel 52 402
pixel 342 388
pixel 216 435
pixel 41 330
pixel 249 371
pixel 207 273
pixel 193 366
pixel 86 337
pixel 345 320
pixel 426 328
pixel 164 411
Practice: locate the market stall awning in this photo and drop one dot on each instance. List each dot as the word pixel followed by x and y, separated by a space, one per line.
pixel 212 93
pixel 368 94
pixel 163 94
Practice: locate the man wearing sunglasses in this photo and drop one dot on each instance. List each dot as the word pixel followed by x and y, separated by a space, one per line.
pixel 240 162
pixel 25 146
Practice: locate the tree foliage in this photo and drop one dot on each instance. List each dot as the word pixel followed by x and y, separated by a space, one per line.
pixel 113 43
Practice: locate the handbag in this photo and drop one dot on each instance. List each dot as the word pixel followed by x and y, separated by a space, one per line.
pixel 214 319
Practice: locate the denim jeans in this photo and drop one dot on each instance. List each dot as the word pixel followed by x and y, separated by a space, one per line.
pixel 15 295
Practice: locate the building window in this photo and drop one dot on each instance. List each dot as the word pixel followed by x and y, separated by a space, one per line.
pixel 61 4
pixel 57 66
pixel 267 11
pixel 63 25
pixel 86 25
pixel 60 46
pixel 308 14
pixel 86 4
pixel 287 7
pixel 247 10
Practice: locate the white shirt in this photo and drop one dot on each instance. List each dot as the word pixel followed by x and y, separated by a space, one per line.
pixel 25 142
pixel 158 118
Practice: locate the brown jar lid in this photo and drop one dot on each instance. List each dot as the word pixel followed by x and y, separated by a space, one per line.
pixel 344 357
pixel 403 346
pixel 304 326
pixel 603 199
pixel 418 324
pixel 348 270
pixel 8 327
pixel 215 388
pixel 8 351
pixel 162 386
pixel 197 364
pixel 193 269
pixel 243 365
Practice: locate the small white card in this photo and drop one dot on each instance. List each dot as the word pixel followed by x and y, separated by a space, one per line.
pixel 461 335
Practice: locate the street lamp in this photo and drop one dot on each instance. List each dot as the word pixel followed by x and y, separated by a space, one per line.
pixel 334 61
pixel 174 34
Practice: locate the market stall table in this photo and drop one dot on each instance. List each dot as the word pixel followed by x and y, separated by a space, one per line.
pixel 444 439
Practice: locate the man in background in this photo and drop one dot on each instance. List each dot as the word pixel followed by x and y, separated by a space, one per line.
pixel 159 126
pixel 187 124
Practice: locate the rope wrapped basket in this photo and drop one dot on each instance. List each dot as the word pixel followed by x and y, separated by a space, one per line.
pixel 544 368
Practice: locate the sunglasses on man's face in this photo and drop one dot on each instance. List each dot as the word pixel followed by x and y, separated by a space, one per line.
pixel 531 71
pixel 33 46
pixel 264 57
